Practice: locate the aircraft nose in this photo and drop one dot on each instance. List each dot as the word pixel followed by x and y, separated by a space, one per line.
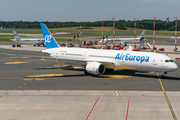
pixel 174 67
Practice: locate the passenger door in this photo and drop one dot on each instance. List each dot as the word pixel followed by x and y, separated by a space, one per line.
pixel 155 60
pixel 61 54
pixel 85 55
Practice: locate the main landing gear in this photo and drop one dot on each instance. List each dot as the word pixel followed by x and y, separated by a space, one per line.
pixel 109 70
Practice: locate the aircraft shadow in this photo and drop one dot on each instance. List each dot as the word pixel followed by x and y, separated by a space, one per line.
pixel 142 74
pixel 132 73
pixel 64 68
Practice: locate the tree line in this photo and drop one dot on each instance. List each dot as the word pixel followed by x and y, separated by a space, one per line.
pixel 121 24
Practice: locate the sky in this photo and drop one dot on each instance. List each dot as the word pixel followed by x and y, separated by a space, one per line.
pixel 87 10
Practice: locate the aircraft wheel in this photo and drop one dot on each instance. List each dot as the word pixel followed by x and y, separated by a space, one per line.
pixel 162 77
pixel 34 44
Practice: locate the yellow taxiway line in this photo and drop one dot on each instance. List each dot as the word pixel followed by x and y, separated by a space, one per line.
pixel 114 76
pixel 45 75
pixel 19 57
pixel 18 62
pixel 170 107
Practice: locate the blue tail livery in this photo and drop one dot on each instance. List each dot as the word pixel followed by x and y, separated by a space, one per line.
pixel 48 38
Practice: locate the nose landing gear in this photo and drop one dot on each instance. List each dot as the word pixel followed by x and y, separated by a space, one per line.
pixel 162 75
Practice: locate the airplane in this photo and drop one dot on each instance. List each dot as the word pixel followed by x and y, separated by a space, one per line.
pixel 97 61
pixel 35 41
pixel 123 41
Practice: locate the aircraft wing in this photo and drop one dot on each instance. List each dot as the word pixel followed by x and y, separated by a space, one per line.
pixel 108 64
pixel 83 62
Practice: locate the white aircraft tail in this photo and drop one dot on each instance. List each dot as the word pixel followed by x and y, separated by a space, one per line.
pixel 142 35
pixel 17 37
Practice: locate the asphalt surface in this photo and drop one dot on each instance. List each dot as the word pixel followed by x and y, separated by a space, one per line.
pixel 13 75
pixel 164 42
pixel 37 88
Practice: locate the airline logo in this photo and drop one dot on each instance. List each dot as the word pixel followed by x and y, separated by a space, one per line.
pixel 129 57
pixel 48 38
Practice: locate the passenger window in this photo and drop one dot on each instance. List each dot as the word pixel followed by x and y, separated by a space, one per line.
pixel 166 60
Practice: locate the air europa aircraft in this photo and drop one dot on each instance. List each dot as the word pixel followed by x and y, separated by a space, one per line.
pixel 97 61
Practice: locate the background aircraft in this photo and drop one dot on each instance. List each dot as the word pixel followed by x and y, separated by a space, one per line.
pixel 123 41
pixel 35 41
pixel 97 61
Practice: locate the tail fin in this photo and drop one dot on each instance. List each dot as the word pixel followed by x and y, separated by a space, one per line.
pixel 48 38
pixel 142 34
pixel 16 35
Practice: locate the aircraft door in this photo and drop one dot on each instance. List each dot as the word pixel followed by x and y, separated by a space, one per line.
pixel 155 60
pixel 61 54
pixel 85 55
pixel 57 53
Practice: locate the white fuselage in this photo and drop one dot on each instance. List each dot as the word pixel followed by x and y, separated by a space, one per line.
pixel 120 40
pixel 30 40
pixel 115 59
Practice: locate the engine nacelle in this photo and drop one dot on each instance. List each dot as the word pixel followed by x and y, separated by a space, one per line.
pixel 95 68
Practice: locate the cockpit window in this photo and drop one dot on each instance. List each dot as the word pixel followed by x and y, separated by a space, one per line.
pixel 166 60
pixel 170 60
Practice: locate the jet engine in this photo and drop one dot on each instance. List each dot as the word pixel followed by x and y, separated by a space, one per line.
pixel 95 68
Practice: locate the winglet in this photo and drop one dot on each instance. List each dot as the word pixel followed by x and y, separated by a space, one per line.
pixel 48 38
